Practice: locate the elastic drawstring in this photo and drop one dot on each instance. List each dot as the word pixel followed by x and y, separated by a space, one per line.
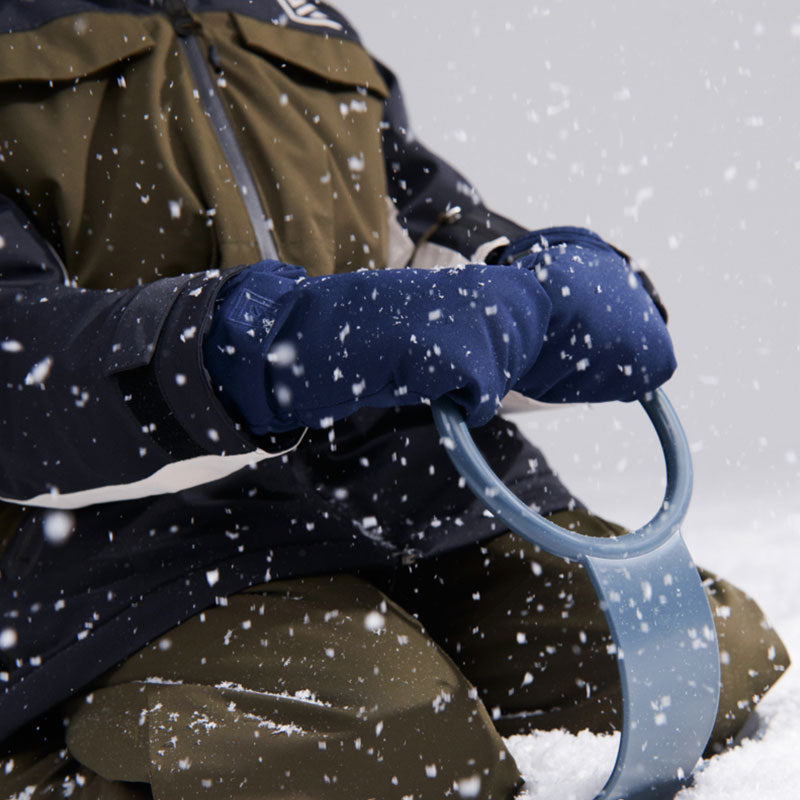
pixel 447 217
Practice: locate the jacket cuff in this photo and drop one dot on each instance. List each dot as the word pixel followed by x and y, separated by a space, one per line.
pixel 192 421
pixel 170 392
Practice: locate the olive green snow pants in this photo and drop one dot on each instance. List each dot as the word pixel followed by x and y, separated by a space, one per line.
pixel 388 685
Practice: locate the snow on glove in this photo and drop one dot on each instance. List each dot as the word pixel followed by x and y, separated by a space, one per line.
pixel 288 351
pixel 606 339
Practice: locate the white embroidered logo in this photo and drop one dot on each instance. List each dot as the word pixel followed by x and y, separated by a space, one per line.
pixel 307 14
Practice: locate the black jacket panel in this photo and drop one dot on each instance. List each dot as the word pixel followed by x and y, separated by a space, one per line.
pixel 67 425
pixel 424 188
pixel 322 19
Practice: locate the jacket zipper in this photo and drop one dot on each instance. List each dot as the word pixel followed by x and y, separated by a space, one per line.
pixel 186 27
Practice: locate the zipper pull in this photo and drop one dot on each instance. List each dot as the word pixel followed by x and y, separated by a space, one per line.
pixel 214 59
pixel 182 20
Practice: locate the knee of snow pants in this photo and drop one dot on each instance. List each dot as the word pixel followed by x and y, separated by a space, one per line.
pixel 311 688
pixel 526 629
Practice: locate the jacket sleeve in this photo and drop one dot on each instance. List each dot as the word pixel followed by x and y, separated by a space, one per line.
pixel 104 395
pixel 438 211
pixel 439 217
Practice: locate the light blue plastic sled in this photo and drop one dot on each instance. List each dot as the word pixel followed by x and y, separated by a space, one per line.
pixel 654 602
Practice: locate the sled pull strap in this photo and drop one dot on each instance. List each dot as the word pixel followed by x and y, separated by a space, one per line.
pixel 655 604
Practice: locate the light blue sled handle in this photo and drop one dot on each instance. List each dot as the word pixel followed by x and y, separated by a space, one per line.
pixel 653 599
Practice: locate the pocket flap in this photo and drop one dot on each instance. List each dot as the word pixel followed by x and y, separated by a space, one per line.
pixel 330 58
pixel 71 47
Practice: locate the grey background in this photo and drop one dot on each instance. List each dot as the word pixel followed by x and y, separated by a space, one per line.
pixel 672 129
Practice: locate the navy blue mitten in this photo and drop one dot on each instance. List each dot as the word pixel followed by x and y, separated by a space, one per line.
pixel 606 339
pixel 286 351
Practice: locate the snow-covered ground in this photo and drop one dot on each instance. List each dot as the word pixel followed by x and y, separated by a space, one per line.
pixel 753 541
